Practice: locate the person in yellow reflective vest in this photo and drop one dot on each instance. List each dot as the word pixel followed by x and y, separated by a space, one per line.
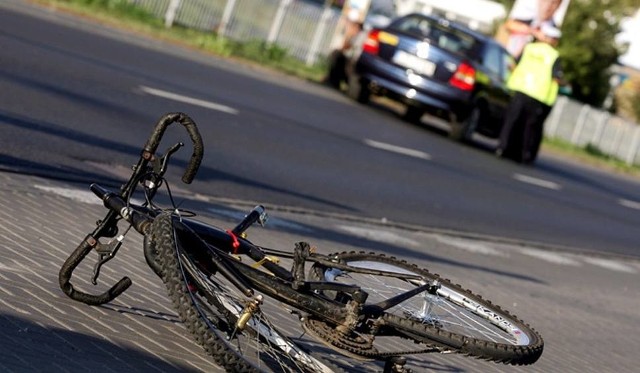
pixel 534 83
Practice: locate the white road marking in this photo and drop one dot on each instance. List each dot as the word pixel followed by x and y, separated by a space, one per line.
pixel 613 265
pixel 538 182
pixel 551 257
pixel 630 204
pixel 78 195
pixel 379 235
pixel 470 246
pixel 74 194
pixel 189 100
pixel 397 149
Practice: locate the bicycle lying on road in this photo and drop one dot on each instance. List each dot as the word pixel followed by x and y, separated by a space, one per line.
pixel 226 289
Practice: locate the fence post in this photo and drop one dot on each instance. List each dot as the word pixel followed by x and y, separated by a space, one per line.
pixel 317 36
pixel 617 139
pixel 582 118
pixel 226 17
pixel 170 14
pixel 600 125
pixel 554 120
pixel 277 21
pixel 633 150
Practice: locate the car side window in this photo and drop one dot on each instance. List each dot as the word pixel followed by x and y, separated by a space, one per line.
pixel 492 60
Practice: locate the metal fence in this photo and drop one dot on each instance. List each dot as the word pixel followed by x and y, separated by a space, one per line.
pixel 305 29
pixel 583 125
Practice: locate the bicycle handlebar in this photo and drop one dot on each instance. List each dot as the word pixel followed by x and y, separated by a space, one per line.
pixel 72 262
pixel 198 148
pixel 115 204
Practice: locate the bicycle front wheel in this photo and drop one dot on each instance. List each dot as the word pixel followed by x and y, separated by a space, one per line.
pixel 443 314
pixel 210 307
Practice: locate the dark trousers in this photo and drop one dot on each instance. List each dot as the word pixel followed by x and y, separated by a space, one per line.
pixel 337 65
pixel 521 133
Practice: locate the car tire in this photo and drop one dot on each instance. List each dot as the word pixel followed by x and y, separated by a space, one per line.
pixel 463 131
pixel 413 114
pixel 358 90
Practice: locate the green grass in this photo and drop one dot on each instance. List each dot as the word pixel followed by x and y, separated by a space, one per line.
pixel 589 154
pixel 120 13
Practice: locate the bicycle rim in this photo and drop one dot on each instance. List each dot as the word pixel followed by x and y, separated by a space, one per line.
pixel 450 317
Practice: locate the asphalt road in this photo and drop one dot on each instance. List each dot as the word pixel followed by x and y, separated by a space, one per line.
pixel 78 100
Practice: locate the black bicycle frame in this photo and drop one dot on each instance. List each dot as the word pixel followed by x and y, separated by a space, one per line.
pixel 215 245
pixel 283 285
pixel 247 279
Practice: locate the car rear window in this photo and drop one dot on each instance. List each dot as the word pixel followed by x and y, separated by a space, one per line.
pixel 437 32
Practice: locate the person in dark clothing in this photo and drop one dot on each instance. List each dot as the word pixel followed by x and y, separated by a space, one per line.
pixel 535 82
pixel 338 58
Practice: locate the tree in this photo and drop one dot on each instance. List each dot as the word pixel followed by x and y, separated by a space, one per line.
pixel 627 99
pixel 588 48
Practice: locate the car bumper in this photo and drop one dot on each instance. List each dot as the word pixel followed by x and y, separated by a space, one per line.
pixel 401 85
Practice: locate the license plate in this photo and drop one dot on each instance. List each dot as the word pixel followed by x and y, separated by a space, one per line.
pixel 415 63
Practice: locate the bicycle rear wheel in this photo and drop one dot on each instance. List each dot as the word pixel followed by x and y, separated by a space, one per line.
pixel 210 307
pixel 447 316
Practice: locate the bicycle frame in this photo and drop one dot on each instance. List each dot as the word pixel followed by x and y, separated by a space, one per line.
pixel 280 284
pixel 289 287
pixel 286 286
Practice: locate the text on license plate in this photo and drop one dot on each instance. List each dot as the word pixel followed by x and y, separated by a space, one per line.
pixel 415 63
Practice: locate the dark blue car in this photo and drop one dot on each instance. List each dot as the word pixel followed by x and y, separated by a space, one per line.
pixel 438 67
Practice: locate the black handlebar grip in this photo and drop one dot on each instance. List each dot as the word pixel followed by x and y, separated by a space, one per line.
pixel 198 148
pixel 67 269
pixel 196 139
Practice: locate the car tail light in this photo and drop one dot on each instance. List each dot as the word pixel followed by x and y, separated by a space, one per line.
pixel 371 44
pixel 464 78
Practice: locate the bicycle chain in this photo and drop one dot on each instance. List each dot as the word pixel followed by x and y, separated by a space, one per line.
pixel 354 345
pixel 351 345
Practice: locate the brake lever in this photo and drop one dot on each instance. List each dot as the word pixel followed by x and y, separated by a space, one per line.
pixel 160 167
pixel 153 181
pixel 106 253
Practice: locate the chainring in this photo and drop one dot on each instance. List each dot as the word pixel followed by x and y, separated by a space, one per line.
pixel 349 344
